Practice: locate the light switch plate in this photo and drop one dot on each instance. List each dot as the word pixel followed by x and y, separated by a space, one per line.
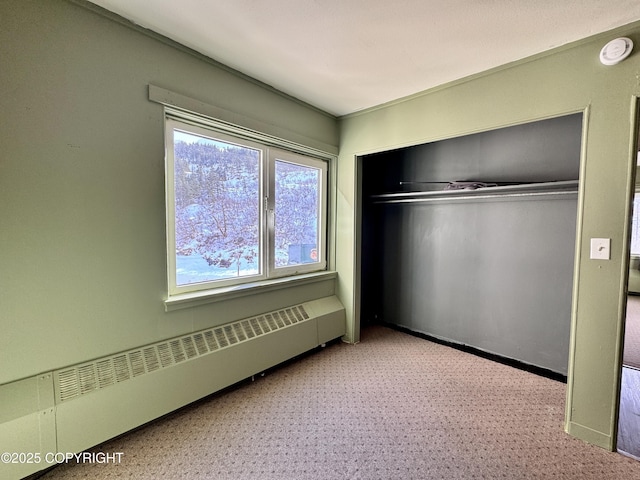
pixel 600 249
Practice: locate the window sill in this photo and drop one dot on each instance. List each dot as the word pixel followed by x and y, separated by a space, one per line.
pixel 194 299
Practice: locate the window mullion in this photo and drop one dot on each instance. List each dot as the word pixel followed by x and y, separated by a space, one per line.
pixel 269 216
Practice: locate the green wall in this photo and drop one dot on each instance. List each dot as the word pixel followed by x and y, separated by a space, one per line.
pixel 82 204
pixel 570 79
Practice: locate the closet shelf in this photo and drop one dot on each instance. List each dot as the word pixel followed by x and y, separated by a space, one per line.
pixel 523 190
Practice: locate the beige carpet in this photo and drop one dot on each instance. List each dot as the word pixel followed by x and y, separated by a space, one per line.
pixel 392 407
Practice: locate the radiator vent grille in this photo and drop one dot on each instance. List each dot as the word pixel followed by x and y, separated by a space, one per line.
pixel 86 378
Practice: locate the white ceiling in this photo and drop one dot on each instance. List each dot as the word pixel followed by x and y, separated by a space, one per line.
pixel 347 55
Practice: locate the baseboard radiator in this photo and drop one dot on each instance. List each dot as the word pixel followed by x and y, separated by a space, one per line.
pixel 98 400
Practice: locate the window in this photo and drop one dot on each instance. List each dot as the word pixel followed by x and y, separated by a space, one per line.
pixel 635 218
pixel 239 210
pixel 635 227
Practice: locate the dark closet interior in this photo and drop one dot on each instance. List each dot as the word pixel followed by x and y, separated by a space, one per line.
pixel 489 266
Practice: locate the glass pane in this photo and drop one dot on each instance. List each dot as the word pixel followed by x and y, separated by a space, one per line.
pixel 296 214
pixel 217 209
pixel 635 227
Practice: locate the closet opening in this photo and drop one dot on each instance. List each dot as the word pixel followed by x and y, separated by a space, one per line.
pixel 471 241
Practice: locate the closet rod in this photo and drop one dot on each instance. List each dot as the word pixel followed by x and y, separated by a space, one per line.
pixel 450 198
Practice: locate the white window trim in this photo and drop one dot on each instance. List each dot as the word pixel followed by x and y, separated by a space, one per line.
pixel 256 284
pixel 203 297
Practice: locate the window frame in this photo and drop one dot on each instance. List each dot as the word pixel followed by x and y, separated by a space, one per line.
pixel 272 149
pixel 274 155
